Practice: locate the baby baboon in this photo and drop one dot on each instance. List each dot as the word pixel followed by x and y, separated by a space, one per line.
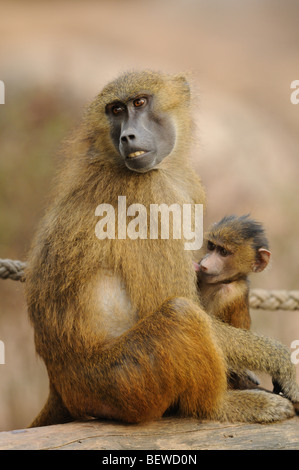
pixel 118 321
pixel 234 248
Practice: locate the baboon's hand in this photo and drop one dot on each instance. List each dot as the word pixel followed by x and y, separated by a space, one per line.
pixel 277 389
pixel 291 392
pixel 296 406
pixel 252 377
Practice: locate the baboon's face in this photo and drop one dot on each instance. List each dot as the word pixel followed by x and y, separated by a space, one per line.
pixel 217 265
pixel 142 136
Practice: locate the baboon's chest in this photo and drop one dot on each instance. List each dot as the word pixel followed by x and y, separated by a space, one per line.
pixel 113 310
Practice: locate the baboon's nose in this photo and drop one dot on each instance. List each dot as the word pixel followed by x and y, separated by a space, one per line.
pixel 127 136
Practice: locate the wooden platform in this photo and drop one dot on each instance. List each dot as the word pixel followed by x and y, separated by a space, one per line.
pixel 165 434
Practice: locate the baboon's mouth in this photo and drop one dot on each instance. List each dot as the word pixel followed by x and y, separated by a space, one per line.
pixel 140 160
pixel 136 154
pixel 208 277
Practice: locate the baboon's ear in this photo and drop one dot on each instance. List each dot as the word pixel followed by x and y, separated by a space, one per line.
pixel 262 260
pixel 182 81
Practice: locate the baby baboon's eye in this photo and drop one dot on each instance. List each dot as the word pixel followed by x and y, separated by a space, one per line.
pixel 211 246
pixel 224 252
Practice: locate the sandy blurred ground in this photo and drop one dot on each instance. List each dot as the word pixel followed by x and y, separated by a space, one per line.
pixel 241 58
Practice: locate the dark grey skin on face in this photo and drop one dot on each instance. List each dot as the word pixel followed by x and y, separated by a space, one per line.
pixel 142 136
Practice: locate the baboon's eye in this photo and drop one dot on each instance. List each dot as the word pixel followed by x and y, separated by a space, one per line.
pixel 117 109
pixel 139 102
pixel 224 252
pixel 211 246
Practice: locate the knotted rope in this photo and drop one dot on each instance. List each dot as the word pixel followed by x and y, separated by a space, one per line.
pixel 258 299
pixel 12 269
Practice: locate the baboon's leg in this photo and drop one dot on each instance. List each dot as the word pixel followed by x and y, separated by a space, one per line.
pixel 245 349
pixel 255 406
pixel 168 358
pixel 53 412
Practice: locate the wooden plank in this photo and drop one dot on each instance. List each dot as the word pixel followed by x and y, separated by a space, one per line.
pixel 165 434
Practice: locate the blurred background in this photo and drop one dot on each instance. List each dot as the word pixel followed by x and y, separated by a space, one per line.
pixel 241 58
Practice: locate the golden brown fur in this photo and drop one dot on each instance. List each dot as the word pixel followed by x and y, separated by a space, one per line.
pixel 228 302
pixel 163 350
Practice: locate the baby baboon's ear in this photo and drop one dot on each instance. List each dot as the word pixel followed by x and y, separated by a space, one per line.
pixel 262 260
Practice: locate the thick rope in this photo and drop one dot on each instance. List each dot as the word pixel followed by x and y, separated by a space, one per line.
pixel 274 299
pixel 258 299
pixel 12 269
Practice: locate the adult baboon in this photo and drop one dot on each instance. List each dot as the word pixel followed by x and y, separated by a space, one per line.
pixel 118 321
